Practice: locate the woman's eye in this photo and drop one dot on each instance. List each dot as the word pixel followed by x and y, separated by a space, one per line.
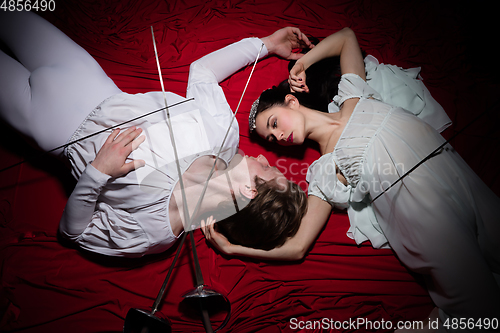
pixel 275 123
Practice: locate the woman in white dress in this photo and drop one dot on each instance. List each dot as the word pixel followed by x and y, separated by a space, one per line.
pixel 441 220
pixel 54 92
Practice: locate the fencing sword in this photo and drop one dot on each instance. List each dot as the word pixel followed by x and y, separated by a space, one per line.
pixel 199 292
pixel 133 314
pixel 93 134
pixel 140 319
pixel 217 157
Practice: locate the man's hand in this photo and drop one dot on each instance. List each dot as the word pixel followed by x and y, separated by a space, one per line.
pixel 112 156
pixel 283 41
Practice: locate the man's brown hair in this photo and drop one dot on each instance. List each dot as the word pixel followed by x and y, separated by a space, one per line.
pixel 269 219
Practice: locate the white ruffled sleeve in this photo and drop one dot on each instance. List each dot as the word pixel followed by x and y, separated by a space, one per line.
pixel 353 86
pixel 324 184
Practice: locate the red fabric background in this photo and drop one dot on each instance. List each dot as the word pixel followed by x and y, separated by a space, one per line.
pixel 48 286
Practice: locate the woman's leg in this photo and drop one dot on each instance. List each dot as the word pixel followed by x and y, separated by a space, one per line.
pixel 52 85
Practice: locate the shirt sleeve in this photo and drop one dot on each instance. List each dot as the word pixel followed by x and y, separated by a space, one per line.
pixel 82 202
pixel 206 73
pixel 98 227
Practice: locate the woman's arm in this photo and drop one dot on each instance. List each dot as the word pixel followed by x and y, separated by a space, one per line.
pixel 295 248
pixel 342 43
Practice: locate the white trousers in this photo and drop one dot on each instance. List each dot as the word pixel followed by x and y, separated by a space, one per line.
pixel 49 84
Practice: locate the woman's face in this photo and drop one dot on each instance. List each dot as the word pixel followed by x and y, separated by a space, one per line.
pixel 281 124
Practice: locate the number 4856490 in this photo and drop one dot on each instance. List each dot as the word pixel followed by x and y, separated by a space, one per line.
pixel 28 5
pixel 470 323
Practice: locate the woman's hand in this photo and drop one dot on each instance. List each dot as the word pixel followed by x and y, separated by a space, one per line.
pixel 283 41
pixel 218 240
pixel 297 78
pixel 111 157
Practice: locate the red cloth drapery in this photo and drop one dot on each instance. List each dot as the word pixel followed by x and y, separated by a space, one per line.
pixel 48 286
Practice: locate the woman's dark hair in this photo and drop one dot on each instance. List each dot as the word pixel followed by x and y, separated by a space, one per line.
pixel 269 219
pixel 322 78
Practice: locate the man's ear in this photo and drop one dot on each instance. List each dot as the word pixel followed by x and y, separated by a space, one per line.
pixel 248 191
